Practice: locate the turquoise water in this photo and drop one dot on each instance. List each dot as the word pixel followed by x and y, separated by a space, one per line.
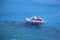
pixel 12 20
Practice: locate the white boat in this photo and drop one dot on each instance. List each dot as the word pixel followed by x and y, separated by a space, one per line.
pixel 34 19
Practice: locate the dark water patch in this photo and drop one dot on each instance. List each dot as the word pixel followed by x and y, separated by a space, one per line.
pixel 21 24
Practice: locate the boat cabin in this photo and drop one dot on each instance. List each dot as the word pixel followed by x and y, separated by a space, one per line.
pixel 36 18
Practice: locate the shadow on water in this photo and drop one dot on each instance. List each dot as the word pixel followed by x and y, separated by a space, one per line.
pixel 37 25
pixel 22 24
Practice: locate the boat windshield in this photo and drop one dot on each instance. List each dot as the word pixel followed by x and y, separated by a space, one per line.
pixel 36 19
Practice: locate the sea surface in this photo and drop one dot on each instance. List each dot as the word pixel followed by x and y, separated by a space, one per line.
pixel 13 25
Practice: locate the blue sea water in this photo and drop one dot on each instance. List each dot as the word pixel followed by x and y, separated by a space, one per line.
pixel 12 20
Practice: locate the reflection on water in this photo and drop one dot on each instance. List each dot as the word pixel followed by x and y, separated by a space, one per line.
pixel 12 30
